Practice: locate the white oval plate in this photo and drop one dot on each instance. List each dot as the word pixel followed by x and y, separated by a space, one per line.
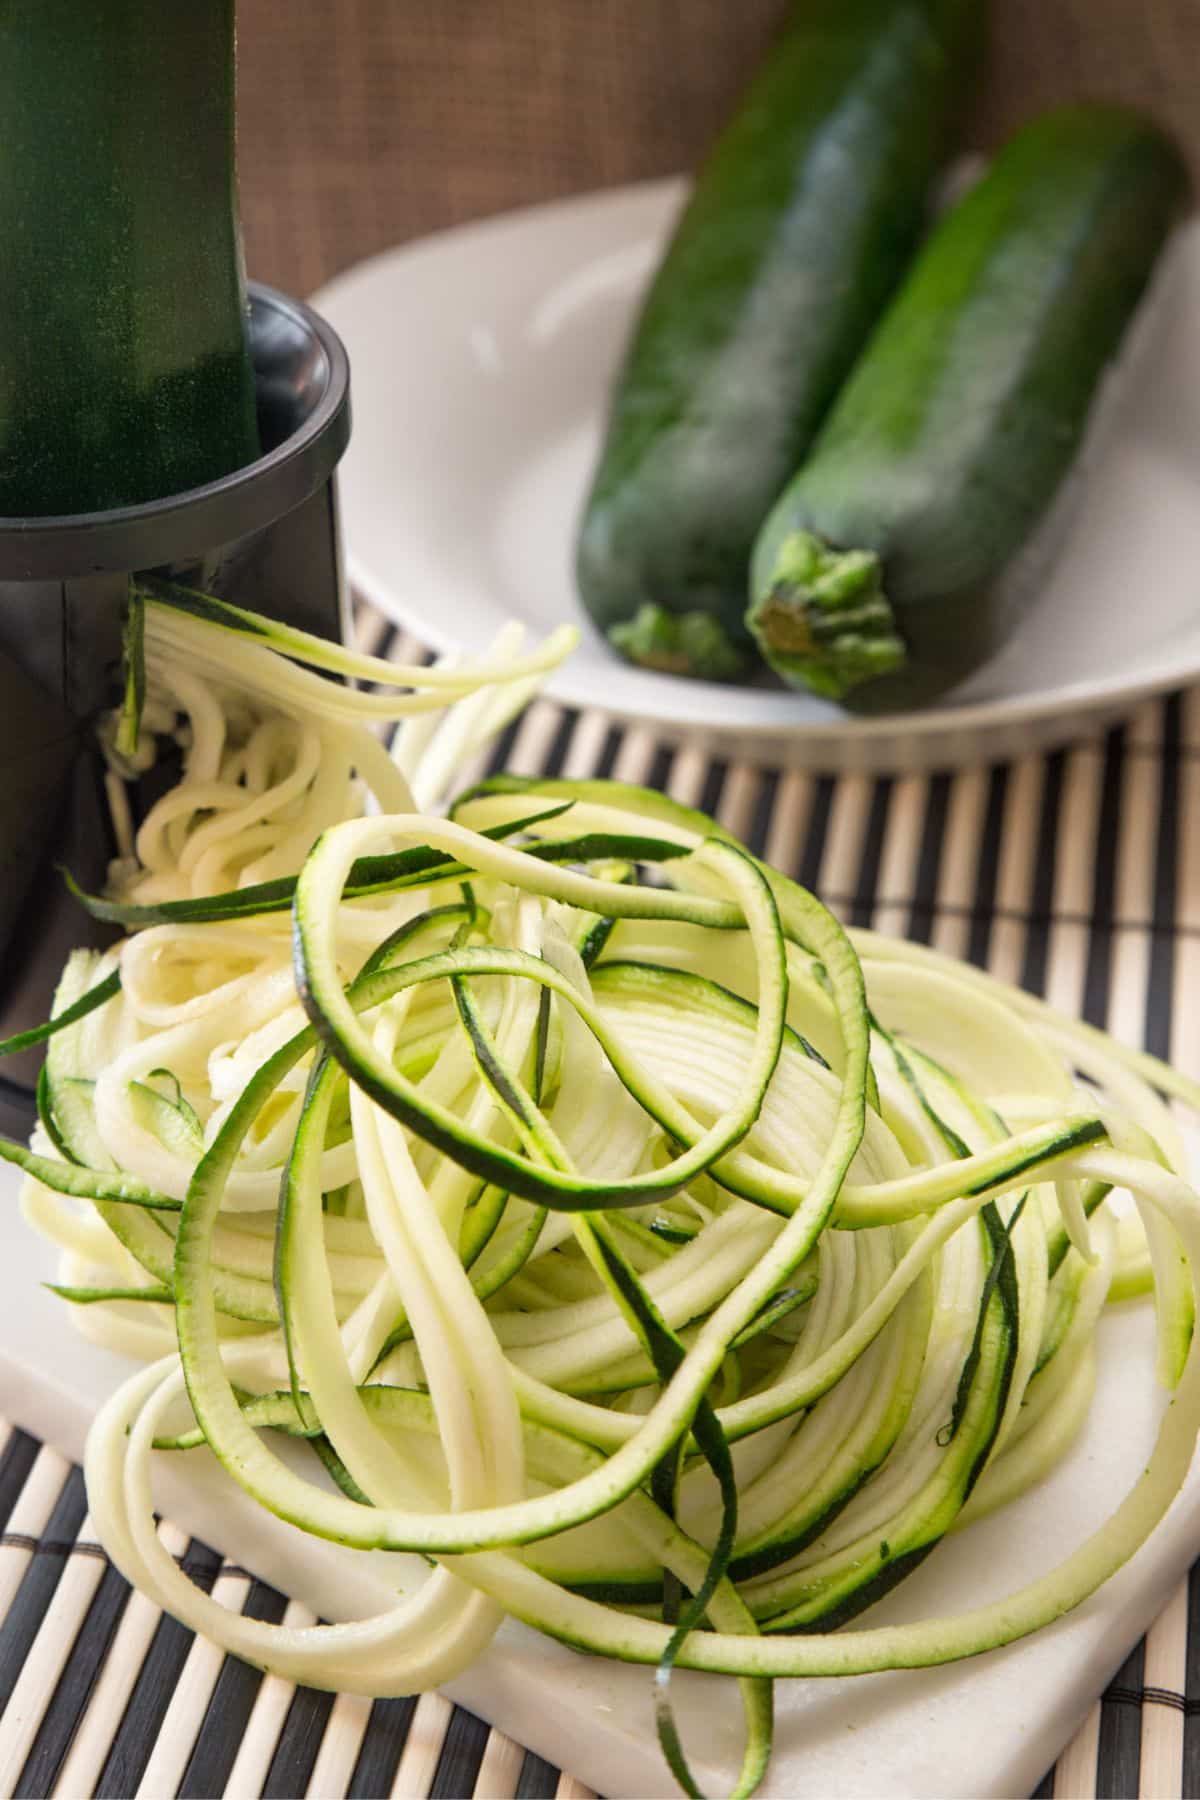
pixel 482 359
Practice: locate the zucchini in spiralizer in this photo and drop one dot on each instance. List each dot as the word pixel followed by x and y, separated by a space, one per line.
pixel 798 229
pixel 124 368
pixel 872 576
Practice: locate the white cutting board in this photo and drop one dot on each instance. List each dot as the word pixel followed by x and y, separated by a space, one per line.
pixel 990 1727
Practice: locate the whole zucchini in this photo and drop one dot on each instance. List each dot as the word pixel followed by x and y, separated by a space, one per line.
pixel 124 371
pixel 799 227
pixel 870 578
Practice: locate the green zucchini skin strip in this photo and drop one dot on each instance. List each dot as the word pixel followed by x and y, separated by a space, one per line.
pixel 373 875
pixel 71 1015
pixel 133 655
pixel 46 1119
pixel 83 1183
pixel 90 1296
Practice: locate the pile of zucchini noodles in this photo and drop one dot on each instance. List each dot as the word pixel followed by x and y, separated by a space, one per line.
pixel 668 1266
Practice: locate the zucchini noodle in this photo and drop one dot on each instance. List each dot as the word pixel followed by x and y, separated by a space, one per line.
pixel 670 1267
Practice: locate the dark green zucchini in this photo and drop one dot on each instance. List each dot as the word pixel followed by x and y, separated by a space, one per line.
pixel 799 227
pixel 124 371
pixel 871 577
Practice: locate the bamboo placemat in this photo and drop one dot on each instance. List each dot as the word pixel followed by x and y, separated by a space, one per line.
pixel 1076 874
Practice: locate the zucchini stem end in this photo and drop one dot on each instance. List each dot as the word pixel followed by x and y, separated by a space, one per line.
pixel 689 643
pixel 824 621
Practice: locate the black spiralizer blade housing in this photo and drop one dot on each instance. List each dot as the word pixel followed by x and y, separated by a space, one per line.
pixel 266 535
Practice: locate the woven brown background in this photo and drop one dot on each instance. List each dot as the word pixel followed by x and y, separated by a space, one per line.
pixel 365 122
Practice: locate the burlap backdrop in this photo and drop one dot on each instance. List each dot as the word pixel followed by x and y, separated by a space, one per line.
pixel 365 122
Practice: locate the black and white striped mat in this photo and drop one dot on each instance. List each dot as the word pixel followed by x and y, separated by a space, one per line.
pixel 1077 875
